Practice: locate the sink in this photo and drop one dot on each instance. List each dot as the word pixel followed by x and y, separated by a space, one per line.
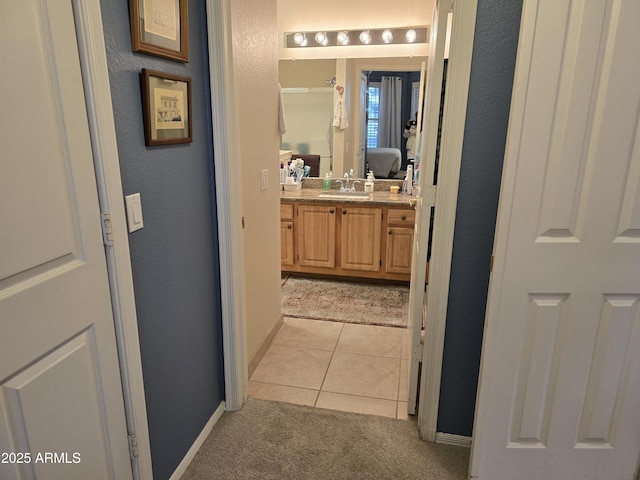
pixel 349 195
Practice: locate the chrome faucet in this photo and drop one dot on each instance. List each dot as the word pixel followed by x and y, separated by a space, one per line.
pixel 344 187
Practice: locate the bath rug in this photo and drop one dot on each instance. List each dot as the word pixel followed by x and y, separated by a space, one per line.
pixel 346 302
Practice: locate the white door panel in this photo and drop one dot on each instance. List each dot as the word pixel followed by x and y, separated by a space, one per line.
pixel 560 380
pixel 431 106
pixel 60 390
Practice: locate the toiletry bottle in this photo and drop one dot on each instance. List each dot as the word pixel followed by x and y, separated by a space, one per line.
pixel 326 184
pixel 368 185
pixel 408 181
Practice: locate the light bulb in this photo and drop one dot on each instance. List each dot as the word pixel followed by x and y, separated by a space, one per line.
pixel 387 36
pixel 321 38
pixel 298 38
pixel 343 38
pixel 365 37
pixel 411 35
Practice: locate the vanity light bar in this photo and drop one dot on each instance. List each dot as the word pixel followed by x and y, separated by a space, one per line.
pixel 338 38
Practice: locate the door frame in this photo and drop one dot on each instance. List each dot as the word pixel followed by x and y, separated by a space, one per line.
pixel 97 90
pixel 454 120
pixel 229 196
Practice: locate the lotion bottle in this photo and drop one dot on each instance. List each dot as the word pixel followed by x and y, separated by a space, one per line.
pixel 368 185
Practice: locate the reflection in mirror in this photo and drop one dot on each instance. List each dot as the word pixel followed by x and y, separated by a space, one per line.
pixel 309 98
pixel 391 112
pixel 308 116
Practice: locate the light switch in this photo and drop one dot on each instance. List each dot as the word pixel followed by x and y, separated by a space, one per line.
pixel 264 179
pixel 134 212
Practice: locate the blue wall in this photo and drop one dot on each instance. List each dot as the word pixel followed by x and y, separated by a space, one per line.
pixel 492 68
pixel 175 256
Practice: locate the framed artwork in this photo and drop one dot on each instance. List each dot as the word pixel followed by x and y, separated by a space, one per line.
pixel 166 104
pixel 160 27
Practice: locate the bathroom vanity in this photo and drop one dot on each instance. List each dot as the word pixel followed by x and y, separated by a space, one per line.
pixel 348 235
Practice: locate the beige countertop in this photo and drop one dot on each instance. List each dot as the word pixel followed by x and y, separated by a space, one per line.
pixel 313 195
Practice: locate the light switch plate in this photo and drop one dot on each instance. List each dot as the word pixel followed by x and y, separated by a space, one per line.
pixel 134 212
pixel 264 179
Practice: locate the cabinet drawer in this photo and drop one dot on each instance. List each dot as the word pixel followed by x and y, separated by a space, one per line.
pixel 401 217
pixel 286 211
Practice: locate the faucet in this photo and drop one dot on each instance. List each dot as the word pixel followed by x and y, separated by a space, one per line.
pixel 346 187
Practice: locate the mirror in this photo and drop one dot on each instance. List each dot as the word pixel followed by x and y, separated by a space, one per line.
pixel 309 98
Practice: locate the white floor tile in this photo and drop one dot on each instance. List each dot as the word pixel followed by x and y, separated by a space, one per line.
pixel 402 411
pixel 293 366
pixel 298 332
pixel 364 375
pixel 283 393
pixel 371 340
pixel 352 403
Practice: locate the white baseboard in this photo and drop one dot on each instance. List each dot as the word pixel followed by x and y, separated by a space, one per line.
pixel 451 439
pixel 198 443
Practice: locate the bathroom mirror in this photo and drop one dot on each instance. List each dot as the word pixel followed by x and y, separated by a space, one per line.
pixel 309 98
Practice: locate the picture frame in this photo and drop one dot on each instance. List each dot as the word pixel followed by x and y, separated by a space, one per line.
pixel 160 28
pixel 166 105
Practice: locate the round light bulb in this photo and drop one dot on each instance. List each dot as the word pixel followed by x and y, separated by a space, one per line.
pixel 387 36
pixel 298 38
pixel 321 38
pixel 365 37
pixel 411 35
pixel 343 38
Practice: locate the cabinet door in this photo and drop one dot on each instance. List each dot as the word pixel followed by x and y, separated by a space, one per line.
pixel 286 243
pixel 316 233
pixel 360 246
pixel 399 248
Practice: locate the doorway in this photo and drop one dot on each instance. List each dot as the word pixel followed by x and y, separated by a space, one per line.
pixel 467 18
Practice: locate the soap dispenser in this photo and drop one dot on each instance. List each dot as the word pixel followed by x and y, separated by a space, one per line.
pixel 368 185
pixel 326 184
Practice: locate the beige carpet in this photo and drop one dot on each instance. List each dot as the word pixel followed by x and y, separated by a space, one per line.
pixel 346 302
pixel 280 441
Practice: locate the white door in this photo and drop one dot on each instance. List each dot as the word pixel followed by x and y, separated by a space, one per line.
pixel 61 407
pixel 559 392
pixel 426 198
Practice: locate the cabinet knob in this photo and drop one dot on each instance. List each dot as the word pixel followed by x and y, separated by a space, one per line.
pixel 344 212
pixel 403 217
pixel 390 232
pixel 331 211
pixel 289 227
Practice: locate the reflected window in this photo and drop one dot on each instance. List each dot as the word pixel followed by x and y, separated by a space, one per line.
pixel 373 111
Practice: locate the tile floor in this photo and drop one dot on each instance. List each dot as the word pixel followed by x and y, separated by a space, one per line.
pixel 338 366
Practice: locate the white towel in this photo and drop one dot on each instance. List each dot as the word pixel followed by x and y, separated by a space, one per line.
pixel 281 123
pixel 340 115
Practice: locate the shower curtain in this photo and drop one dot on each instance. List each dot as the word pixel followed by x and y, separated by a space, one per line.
pixel 390 123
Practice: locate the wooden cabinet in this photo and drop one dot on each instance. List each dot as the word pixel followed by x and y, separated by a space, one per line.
pixel 316 235
pixel 286 234
pixel 347 240
pixel 400 227
pixel 360 238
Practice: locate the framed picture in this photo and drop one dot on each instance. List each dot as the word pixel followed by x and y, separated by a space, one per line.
pixel 160 27
pixel 166 104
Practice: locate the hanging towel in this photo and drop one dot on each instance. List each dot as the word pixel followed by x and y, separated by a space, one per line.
pixel 281 123
pixel 340 115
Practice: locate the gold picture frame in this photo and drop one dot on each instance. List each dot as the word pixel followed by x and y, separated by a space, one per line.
pixel 160 28
pixel 166 105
